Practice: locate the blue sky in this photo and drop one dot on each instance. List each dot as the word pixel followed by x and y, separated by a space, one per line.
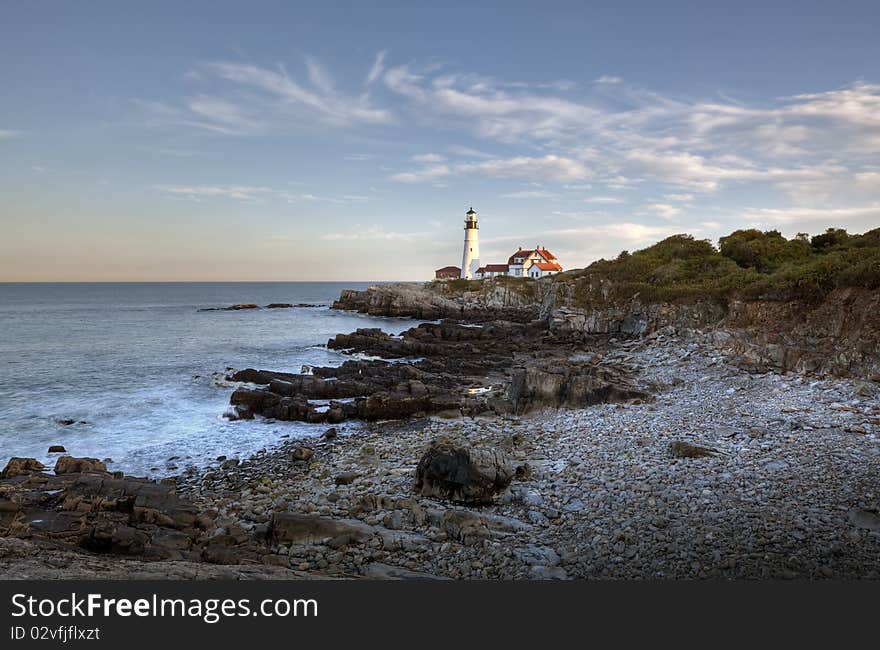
pixel 297 141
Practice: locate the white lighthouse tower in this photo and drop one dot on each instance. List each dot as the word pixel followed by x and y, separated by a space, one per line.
pixel 470 258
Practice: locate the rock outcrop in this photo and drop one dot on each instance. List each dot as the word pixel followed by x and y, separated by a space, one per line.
pixel 574 384
pixel 237 307
pixel 453 472
pixel 838 336
pixel 21 467
pixel 83 507
pixel 443 368
pixel 295 528
pixel 71 465
pixel 271 305
pixel 512 300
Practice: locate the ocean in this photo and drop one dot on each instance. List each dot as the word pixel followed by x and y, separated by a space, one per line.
pixel 134 367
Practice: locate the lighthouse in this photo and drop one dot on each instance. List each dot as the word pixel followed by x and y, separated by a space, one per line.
pixel 470 257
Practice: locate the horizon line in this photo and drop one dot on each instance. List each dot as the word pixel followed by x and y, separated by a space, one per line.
pixel 197 281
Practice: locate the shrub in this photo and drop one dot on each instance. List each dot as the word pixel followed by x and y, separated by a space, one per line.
pixel 829 239
pixel 748 262
pixel 764 251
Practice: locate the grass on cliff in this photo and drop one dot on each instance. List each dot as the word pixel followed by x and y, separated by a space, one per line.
pixel 749 263
pixel 458 287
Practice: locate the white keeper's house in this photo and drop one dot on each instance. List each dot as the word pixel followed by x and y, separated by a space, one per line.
pixel 537 262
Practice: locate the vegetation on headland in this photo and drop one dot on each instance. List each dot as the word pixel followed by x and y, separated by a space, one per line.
pixel 525 286
pixel 746 263
pixel 749 263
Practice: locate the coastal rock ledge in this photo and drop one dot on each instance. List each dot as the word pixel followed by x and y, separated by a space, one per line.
pixel 446 368
pixel 837 335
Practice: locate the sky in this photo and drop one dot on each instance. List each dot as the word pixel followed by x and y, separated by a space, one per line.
pixel 345 141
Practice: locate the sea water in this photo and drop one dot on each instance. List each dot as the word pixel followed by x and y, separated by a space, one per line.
pixel 136 367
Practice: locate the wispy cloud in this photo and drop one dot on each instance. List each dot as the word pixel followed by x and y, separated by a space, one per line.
pixel 251 192
pixel 626 231
pixel 8 133
pixel 546 168
pixel 223 116
pixel 311 198
pixel 197 192
pixel 529 194
pixel 665 210
pixel 550 167
pixel 429 158
pixel 467 152
pixel 372 233
pixel 811 148
pixel 422 175
pixel 801 214
pixel 318 76
pixel 625 131
pixel 322 100
pixel 377 68
pixel 246 99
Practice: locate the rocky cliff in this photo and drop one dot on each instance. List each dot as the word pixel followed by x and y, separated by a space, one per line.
pixel 476 301
pixel 839 335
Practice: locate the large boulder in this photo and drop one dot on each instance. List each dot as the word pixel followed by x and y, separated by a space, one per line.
pixel 71 465
pixel 103 514
pixel 574 384
pixel 465 474
pixel 19 466
pixel 682 449
pixel 292 527
pixel 398 405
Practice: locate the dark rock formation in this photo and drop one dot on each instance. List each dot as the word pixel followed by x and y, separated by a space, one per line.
pixel 345 478
pixel 681 449
pixel 100 513
pixel 111 514
pixel 21 466
pixel 238 307
pixel 569 383
pixel 838 335
pixel 452 369
pixel 71 465
pixel 313 529
pixel 465 474
pixel 495 300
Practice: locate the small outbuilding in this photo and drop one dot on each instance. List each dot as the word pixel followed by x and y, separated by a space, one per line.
pixel 490 271
pixel 447 273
